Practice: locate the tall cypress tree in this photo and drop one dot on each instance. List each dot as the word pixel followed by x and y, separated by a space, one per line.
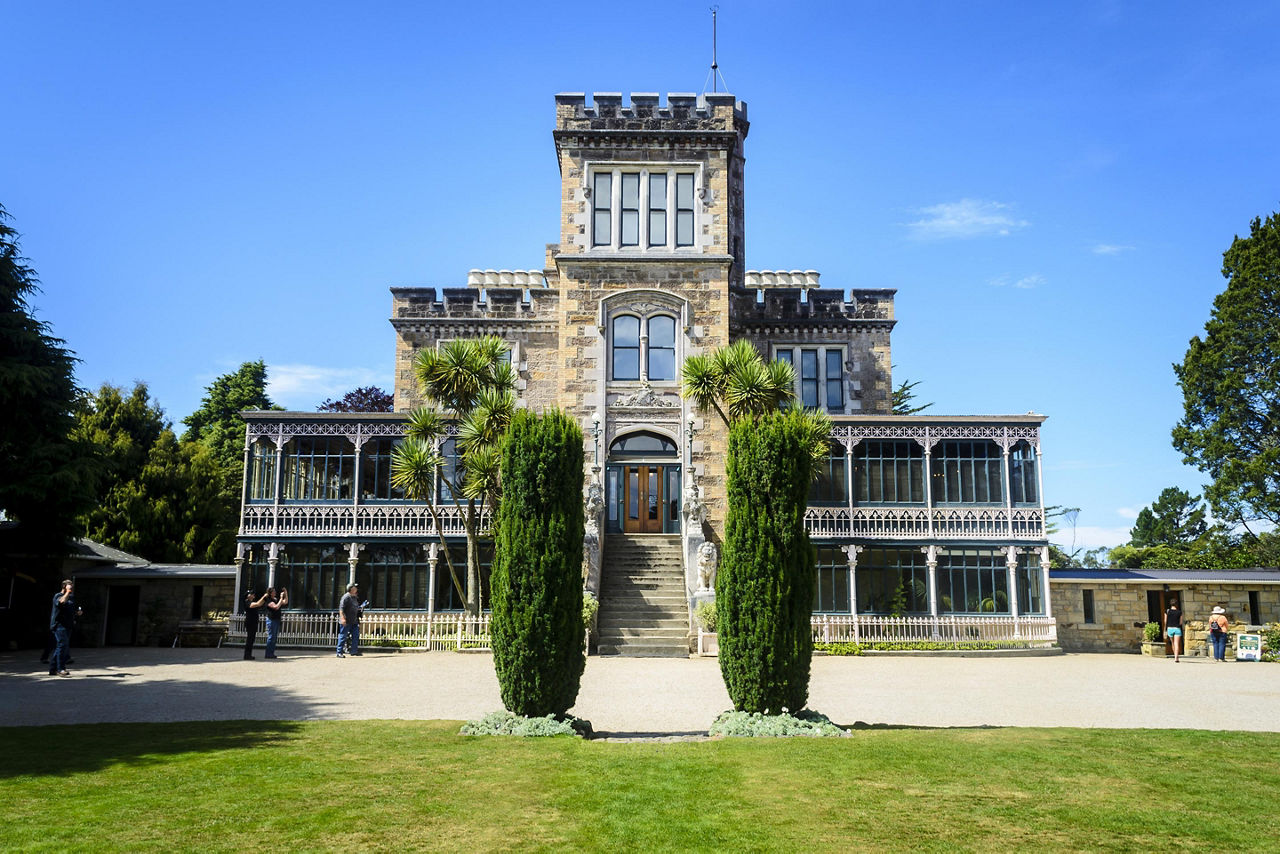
pixel 765 586
pixel 538 635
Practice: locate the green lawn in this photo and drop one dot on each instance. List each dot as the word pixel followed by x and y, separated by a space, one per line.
pixel 399 785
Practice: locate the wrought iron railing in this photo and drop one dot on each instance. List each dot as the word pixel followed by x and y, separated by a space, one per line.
pixel 411 629
pixel 837 628
pixel 327 520
pixel 944 523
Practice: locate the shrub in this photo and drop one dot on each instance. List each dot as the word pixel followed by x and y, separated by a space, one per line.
pixel 756 725
pixel 1151 632
pixel 590 607
pixel 705 614
pixel 503 722
pixel 1271 642
pixel 765 587
pixel 537 628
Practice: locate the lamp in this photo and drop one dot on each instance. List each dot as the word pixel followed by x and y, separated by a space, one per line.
pixel 595 434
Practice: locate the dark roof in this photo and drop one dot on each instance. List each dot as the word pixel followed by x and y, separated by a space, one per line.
pixel 1255 575
pixel 87 549
pixel 156 571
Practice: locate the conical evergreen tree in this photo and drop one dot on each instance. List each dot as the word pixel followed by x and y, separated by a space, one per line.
pixel 765 586
pixel 538 635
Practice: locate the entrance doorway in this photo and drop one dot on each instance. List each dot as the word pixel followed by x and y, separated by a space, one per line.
pixel 122 616
pixel 642 485
pixel 1158 602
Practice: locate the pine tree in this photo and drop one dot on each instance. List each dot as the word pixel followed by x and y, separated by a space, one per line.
pixel 537 629
pixel 765 586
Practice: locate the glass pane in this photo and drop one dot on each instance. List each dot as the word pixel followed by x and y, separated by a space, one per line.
pixel 631 190
pixel 657 192
pixel 626 363
pixel 782 355
pixel 684 228
pixel 835 380
pixel 630 227
pixel 662 364
pixel 626 331
pixel 603 191
pixel 662 331
pixel 633 493
pixel 655 491
pixel 600 229
pixel 684 191
pixel 636 443
pixel 611 490
pixel 657 228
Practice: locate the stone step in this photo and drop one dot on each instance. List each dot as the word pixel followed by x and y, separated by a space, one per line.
pixel 657 620
pixel 634 650
pixel 673 635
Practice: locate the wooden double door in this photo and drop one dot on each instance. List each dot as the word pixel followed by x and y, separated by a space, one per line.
pixel 649 498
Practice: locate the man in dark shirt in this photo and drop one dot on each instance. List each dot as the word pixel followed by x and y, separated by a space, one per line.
pixel 251 607
pixel 61 619
pixel 276 603
pixel 349 620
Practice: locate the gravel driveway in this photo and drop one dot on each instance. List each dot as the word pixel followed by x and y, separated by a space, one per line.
pixel 630 697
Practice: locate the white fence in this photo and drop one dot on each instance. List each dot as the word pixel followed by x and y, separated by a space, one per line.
pixel 834 628
pixel 449 630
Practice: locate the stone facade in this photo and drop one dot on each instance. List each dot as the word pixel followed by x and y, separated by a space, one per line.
pixel 1122 608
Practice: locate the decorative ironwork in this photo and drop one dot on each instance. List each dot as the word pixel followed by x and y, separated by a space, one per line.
pixel 407 520
pixel 913 523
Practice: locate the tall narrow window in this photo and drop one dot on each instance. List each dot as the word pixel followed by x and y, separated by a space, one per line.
pixel 967 472
pixel 888 472
pixel 835 381
pixel 319 468
pixel 450 472
pixel 809 379
pixel 630 208
pixel 601 202
pixel 684 209
pixel 662 348
pixel 1088 606
pixel 375 470
pixel 262 471
pixel 626 348
pixel 658 210
pixel 1022 474
pixel 830 486
pixel 1255 618
pixel 831 593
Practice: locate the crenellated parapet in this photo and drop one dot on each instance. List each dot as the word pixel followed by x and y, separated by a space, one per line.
pixel 506 279
pixel 777 304
pixel 475 302
pixel 645 111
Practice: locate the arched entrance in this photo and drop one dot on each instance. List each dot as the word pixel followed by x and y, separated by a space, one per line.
pixel 642 485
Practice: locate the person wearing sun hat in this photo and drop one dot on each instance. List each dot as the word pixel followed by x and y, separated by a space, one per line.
pixel 1218 633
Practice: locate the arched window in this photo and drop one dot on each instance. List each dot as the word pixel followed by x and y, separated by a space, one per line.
pixel 626 347
pixel 643 444
pixel 662 347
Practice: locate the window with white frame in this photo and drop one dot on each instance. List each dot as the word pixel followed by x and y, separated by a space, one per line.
pixel 642 348
pixel 642 208
pixel 820 382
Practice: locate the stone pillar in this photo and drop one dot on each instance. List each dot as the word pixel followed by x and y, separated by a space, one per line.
pixel 433 558
pixel 273 559
pixel 241 553
pixel 852 553
pixel 931 561
pixel 353 558
pixel 1044 569
pixel 1011 561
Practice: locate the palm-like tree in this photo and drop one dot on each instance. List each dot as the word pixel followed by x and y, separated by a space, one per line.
pixel 468 383
pixel 736 383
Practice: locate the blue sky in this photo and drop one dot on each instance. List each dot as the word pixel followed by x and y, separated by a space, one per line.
pixel 1049 186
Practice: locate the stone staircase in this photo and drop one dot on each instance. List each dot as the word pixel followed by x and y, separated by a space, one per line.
pixel 643 607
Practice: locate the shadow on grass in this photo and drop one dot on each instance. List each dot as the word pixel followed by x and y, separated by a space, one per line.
pixel 65 750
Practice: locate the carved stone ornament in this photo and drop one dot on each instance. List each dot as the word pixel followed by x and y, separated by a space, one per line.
pixel 708 561
pixel 694 509
pixel 593 504
pixel 646 397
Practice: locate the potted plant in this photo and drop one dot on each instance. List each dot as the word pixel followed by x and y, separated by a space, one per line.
pixel 708 640
pixel 1152 642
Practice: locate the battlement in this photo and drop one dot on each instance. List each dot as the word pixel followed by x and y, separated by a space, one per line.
pixel 682 111
pixel 506 279
pixel 780 278
pixel 786 304
pixel 535 302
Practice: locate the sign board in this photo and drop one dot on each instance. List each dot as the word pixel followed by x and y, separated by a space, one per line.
pixel 1248 647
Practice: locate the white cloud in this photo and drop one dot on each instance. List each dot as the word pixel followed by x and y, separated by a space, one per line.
pixel 1034 280
pixel 1127 512
pixel 965 218
pixel 1091 537
pixel 296 386
pixel 1112 248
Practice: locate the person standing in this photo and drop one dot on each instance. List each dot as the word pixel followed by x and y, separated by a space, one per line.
pixel 276 603
pixel 251 608
pixel 1173 628
pixel 349 610
pixel 1218 633
pixel 61 619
